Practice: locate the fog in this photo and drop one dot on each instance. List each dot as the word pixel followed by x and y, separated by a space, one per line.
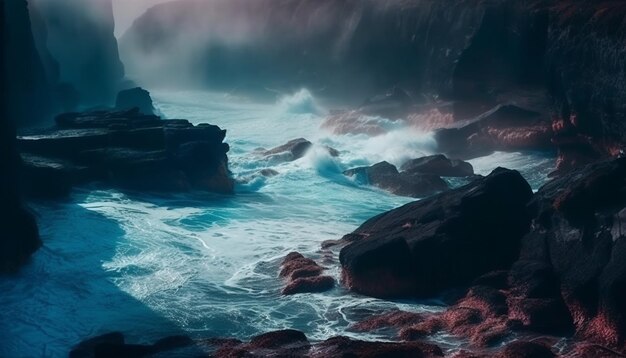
pixel 126 11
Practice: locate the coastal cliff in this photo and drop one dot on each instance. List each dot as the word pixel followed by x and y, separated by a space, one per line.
pixel 19 237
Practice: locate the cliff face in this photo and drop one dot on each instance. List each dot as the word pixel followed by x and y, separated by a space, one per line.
pixel 336 48
pixel 19 237
pixel 24 75
pixel 561 58
pixel 79 36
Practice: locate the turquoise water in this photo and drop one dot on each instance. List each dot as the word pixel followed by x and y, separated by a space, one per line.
pixel 207 265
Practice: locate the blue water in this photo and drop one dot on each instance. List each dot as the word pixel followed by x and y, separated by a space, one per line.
pixel 207 265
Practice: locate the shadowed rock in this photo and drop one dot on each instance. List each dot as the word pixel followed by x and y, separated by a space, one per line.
pixel 135 98
pixel 438 165
pixel 126 149
pixel 505 127
pixel 440 242
pixel 385 176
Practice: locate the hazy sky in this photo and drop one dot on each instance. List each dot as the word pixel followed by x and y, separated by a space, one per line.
pixel 126 11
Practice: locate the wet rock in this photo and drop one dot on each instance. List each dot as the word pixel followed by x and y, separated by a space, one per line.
pixel 525 350
pixel 394 104
pixel 346 347
pixel 269 172
pixel 126 149
pixel 304 275
pixel 438 165
pixel 135 98
pixel 505 127
pixel 290 151
pixel 396 319
pixel 578 235
pixel 385 176
pixel 440 242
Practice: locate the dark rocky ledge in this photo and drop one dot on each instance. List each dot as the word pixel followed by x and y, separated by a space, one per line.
pixel 125 149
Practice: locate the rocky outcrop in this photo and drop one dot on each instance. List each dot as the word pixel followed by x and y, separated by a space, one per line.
pixel 126 149
pixel 79 36
pixel 304 275
pixel 560 271
pixel 135 98
pixel 20 235
pixel 407 183
pixel 438 165
pixel 440 242
pixel 290 151
pixel 505 128
pixel 577 239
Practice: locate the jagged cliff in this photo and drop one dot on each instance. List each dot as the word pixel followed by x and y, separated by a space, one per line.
pixel 25 79
pixel 79 36
pixel 19 236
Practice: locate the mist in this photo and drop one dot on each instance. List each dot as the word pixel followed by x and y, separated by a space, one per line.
pixel 126 11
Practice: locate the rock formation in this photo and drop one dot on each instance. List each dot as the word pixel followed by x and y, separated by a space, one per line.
pixel 444 241
pixel 20 236
pixel 556 58
pixel 551 262
pixel 79 36
pixel 406 183
pixel 135 98
pixel 304 275
pixel 25 84
pixel 126 149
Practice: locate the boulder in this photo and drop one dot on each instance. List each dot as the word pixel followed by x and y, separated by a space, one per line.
pixel 304 275
pixel 440 242
pixel 385 176
pixel 438 165
pixel 290 151
pixel 135 98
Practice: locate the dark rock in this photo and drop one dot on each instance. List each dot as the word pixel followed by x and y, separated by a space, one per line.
pixel 127 149
pixel 440 242
pixel 114 345
pixel 277 339
pixel 385 176
pixel 304 275
pixel 525 350
pixel 578 235
pixel 292 150
pixel 438 165
pixel 394 104
pixel 346 347
pixel 505 127
pixel 135 98
pixel 267 172
pixel 20 236
pixel 27 92
pixel 396 319
pixel 309 284
pixel 87 347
